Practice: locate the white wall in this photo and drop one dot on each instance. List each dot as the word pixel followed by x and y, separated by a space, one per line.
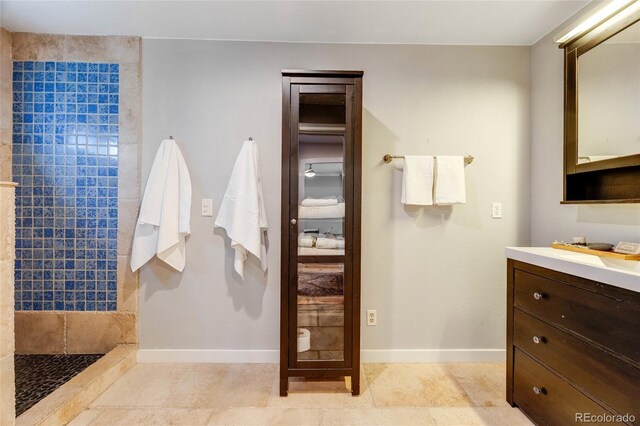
pixel 435 275
pixel 549 219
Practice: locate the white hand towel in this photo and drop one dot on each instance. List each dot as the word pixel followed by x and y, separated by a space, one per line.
pixel 317 202
pixel 417 180
pixel 242 213
pixel 164 220
pixel 449 181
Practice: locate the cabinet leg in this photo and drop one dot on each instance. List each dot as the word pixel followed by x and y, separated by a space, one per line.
pixel 284 386
pixel 355 385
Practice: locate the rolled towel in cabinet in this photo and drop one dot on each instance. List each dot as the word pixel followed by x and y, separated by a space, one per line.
pixel 304 340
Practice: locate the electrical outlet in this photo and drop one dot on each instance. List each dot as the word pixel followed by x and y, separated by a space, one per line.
pixel 496 210
pixel 207 207
pixel 372 317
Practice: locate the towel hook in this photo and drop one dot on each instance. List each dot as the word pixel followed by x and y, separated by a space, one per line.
pixel 250 138
pixel 170 137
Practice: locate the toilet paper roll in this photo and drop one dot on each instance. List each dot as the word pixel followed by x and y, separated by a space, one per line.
pixel 304 339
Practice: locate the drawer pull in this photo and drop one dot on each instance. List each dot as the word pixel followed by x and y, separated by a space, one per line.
pixel 538 390
pixel 536 340
pixel 537 296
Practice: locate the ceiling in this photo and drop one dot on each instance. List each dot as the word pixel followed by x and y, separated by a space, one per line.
pixel 466 22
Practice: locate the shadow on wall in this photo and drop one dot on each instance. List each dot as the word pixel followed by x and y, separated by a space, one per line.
pixel 613 214
pixel 377 140
pixel 244 293
pixel 377 195
pixel 167 278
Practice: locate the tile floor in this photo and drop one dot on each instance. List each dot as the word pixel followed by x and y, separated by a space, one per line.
pixel 247 394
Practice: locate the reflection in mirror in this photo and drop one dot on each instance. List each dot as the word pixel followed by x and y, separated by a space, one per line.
pixel 609 98
pixel 320 311
pixel 321 224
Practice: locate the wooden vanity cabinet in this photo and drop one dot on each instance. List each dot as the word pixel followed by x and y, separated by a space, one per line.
pixel 573 346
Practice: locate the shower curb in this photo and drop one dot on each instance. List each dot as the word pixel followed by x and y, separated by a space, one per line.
pixel 70 399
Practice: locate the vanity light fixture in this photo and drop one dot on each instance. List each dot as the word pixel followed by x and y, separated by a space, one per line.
pixel 309 172
pixel 605 13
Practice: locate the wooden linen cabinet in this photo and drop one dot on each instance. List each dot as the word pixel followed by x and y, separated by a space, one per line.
pixel 321 197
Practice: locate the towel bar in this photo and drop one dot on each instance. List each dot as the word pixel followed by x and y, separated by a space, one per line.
pixel 468 159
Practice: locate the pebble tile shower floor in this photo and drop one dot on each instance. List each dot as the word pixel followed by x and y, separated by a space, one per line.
pixel 39 375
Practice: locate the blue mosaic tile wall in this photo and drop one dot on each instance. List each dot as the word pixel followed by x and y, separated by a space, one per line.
pixel 65 160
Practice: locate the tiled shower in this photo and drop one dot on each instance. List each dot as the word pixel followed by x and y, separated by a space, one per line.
pixel 72 146
pixel 65 160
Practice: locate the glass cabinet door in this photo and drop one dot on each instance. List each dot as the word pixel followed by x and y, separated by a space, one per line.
pixel 321 211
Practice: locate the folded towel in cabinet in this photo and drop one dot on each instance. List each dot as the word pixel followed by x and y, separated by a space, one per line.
pixel 242 211
pixel 321 212
pixel 305 240
pixel 417 180
pixel 449 181
pixel 164 220
pixel 317 202
pixel 329 243
pixel 312 251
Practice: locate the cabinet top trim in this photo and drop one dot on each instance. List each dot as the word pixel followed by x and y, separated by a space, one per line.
pixel 320 73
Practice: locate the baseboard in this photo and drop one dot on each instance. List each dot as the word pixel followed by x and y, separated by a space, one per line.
pixel 272 356
pixel 432 355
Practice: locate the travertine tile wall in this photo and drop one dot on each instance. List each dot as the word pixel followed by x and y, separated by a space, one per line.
pixel 7 235
pixel 5 105
pixel 94 332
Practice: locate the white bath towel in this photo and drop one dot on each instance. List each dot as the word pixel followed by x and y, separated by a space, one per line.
pixel 164 220
pixel 242 213
pixel 449 181
pixel 417 180
pixel 329 243
pixel 317 202
pixel 321 212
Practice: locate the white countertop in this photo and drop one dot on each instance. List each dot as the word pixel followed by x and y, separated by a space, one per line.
pixel 618 273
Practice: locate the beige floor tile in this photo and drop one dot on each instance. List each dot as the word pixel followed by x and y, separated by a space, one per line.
pixel 267 416
pixel 414 385
pixel 485 383
pixel 493 416
pixel 377 416
pixel 313 393
pixel 145 385
pixel 85 418
pixel 224 385
pixel 156 416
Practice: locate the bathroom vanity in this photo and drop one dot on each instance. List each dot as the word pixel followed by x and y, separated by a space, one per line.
pixel 573 336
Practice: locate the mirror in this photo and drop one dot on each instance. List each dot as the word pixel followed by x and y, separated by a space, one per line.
pixel 602 106
pixel 608 78
pixel 321 273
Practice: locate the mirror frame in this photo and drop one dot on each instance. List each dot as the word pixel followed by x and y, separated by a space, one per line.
pixel 572 51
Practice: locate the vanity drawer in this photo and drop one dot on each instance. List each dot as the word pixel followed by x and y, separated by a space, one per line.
pixel 609 322
pixel 546 398
pixel 598 373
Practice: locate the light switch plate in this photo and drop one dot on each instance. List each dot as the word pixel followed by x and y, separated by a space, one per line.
pixel 207 207
pixel 496 210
